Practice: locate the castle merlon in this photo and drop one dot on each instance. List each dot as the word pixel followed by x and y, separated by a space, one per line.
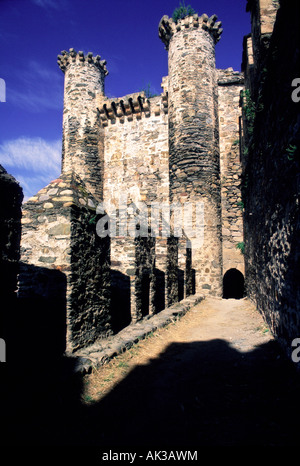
pixel 168 27
pixel 66 58
pixel 130 106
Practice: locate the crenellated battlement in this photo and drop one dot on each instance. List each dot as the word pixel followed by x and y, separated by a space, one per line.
pixel 168 27
pixel 66 58
pixel 131 106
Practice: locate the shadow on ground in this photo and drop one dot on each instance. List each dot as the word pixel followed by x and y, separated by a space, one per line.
pixel 195 394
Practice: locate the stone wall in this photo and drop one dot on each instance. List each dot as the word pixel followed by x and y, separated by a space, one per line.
pixel 230 85
pixel 263 15
pixel 145 290
pixel 64 274
pixel 271 158
pixel 10 234
pixel 136 148
pixel 136 173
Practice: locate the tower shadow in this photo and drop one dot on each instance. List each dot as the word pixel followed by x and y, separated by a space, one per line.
pixel 194 394
pixel 201 394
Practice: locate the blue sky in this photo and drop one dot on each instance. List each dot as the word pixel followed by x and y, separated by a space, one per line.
pixel 123 32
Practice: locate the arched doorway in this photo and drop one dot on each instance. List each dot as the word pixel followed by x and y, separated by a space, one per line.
pixel 233 284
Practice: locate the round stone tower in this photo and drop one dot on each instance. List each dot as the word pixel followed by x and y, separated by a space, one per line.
pixel 82 151
pixel 194 139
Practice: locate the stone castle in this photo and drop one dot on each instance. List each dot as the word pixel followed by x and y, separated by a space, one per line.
pixel 178 147
pixel 123 156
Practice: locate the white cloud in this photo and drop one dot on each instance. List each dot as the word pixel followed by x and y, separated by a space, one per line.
pixel 39 88
pixel 34 162
pixel 33 154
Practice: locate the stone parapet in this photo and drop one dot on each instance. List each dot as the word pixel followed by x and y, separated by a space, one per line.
pixel 168 27
pixel 102 351
pixel 131 106
pixel 66 58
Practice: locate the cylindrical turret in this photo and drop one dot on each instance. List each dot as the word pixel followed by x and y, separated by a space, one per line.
pixel 194 138
pixel 82 154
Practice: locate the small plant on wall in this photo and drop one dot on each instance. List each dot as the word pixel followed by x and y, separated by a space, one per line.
pixel 149 91
pixel 182 11
pixel 241 247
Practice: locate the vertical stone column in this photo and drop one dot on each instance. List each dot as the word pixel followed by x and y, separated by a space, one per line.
pixel 82 138
pixel 193 136
pixel 161 273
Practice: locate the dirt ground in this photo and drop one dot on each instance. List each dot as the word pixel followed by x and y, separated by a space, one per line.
pixel 215 377
pixel 235 321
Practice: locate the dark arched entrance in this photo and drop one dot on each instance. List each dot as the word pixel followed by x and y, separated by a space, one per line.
pixel 233 284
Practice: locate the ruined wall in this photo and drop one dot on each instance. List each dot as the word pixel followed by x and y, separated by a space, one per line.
pixel 271 161
pixel 64 277
pixel 230 85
